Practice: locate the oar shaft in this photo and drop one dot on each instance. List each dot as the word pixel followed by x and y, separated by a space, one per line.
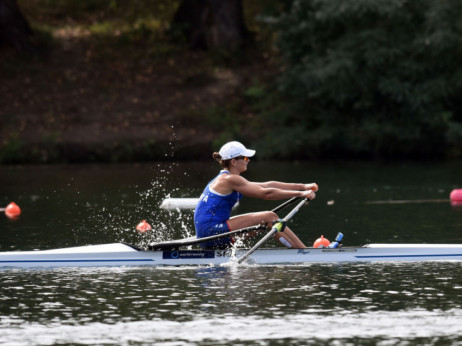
pixel 285 204
pixel 256 227
pixel 276 228
pixel 175 244
pixel 257 245
pixel 184 242
pixel 296 209
pixel 251 228
pixel 231 233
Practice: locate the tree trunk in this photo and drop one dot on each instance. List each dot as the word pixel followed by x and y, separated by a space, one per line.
pixel 14 28
pixel 212 24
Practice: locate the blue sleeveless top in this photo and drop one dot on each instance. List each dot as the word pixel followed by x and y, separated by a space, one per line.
pixel 213 210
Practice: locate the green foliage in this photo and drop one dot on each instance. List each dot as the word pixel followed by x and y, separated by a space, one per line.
pixel 11 149
pixel 256 90
pixel 361 77
pixel 228 126
pixel 370 78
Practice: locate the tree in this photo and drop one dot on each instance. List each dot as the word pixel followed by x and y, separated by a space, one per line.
pixel 14 28
pixel 371 78
pixel 212 23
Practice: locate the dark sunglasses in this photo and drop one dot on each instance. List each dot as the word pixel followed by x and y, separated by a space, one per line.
pixel 245 158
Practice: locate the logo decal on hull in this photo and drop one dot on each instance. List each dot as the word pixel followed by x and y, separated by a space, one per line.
pixel 188 254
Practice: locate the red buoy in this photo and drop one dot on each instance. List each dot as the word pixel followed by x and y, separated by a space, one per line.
pixel 143 227
pixel 321 242
pixel 12 210
pixel 456 197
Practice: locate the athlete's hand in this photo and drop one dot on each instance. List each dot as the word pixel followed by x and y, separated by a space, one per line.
pixel 312 186
pixel 309 194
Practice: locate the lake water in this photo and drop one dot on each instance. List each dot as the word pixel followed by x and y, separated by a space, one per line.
pixel 331 304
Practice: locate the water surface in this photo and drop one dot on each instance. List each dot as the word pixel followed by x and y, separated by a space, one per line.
pixel 365 304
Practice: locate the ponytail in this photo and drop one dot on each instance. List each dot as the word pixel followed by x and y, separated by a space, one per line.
pixel 216 156
pixel 223 163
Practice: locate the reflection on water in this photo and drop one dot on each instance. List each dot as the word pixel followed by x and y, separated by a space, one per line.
pixel 413 327
pixel 349 302
pixel 406 304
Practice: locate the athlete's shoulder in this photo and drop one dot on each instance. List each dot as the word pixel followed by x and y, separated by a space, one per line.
pixel 235 180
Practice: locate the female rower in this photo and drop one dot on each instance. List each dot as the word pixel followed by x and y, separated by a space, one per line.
pixel 212 215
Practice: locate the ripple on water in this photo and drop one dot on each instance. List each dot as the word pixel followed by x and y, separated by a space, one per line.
pixel 232 305
pixel 307 328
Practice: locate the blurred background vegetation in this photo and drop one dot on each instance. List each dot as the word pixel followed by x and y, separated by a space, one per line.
pixel 113 80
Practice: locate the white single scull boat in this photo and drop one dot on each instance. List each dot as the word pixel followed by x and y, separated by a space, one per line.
pixel 120 254
pixel 168 253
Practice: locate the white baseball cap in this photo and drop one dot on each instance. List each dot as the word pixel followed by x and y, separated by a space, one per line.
pixel 234 149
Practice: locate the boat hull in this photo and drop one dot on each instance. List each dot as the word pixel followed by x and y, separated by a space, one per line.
pixel 119 254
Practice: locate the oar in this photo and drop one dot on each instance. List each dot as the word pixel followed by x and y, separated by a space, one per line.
pixel 285 204
pixel 190 203
pixel 173 244
pixel 276 228
pixel 249 228
pixel 194 240
pixel 182 203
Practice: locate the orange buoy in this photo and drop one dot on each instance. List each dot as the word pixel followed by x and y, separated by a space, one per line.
pixel 143 227
pixel 12 210
pixel 456 197
pixel 321 242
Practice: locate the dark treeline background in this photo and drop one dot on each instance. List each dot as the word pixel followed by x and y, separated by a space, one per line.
pixel 111 80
